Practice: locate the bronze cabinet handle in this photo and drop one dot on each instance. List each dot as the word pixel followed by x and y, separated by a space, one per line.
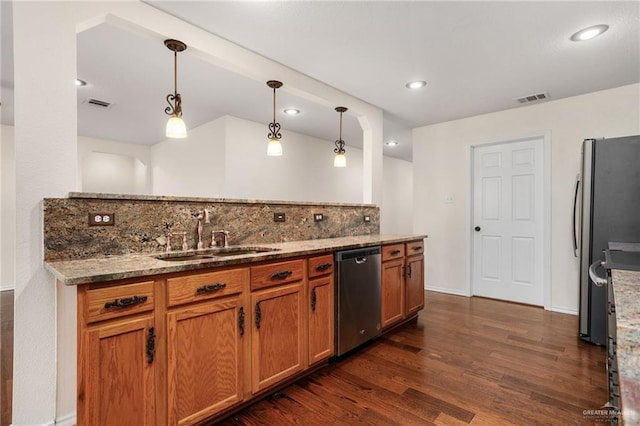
pixel 210 288
pixel 313 299
pixel 416 248
pixel 241 320
pixel 281 275
pixel 394 252
pixel 324 266
pixel 127 301
pixel 258 315
pixel 151 345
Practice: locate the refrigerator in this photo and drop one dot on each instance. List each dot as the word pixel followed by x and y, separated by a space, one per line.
pixel 606 208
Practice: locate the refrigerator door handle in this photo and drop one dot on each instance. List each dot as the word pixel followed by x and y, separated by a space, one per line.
pixel 575 211
pixel 597 280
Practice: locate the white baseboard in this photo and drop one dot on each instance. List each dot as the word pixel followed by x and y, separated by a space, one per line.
pixel 447 291
pixel 68 420
pixel 563 310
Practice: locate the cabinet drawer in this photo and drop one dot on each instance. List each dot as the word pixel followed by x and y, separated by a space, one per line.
pixel 276 273
pixel 415 247
pixel 112 302
pixel 320 265
pixel 393 251
pixel 194 287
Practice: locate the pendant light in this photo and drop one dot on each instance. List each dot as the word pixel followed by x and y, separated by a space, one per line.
pixel 274 149
pixel 340 160
pixel 175 126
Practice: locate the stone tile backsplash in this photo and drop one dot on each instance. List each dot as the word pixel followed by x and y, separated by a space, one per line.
pixel 142 223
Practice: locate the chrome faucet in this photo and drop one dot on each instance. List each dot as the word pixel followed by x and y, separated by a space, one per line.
pixel 225 238
pixel 202 216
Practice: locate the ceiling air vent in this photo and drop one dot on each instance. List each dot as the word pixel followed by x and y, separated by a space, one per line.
pixel 533 98
pixel 98 103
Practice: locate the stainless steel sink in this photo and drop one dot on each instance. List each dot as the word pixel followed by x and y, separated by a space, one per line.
pixel 212 253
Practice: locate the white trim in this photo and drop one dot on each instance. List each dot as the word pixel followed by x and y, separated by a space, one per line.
pixel 446 290
pixel 546 188
pixel 563 310
pixel 68 420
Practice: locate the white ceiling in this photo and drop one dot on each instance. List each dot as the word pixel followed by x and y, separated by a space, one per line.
pixel 477 57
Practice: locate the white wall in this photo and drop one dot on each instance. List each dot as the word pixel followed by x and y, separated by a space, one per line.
pixel 396 210
pixel 113 167
pixel 193 166
pixel 7 208
pixel 305 172
pixel 441 168
pixel 45 166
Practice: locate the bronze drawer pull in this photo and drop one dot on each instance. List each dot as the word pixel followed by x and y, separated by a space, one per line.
pixel 416 248
pixel 210 288
pixel 394 252
pixel 281 275
pixel 324 266
pixel 127 301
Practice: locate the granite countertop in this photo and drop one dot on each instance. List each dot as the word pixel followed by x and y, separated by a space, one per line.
pixel 75 272
pixel 626 293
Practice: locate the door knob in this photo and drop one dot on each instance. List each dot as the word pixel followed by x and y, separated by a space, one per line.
pixel 477 228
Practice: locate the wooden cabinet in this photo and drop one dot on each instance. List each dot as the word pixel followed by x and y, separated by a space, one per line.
pixel 205 344
pixel 321 308
pixel 278 324
pixel 117 355
pixel 393 285
pixel 414 277
pixel 402 281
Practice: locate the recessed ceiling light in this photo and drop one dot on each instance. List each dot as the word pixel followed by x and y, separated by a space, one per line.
pixel 291 111
pixel 589 33
pixel 391 143
pixel 80 82
pixel 416 84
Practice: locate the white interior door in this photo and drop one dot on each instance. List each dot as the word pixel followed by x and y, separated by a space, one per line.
pixel 508 221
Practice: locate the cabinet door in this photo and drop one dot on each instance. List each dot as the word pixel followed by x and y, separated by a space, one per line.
pixel 205 354
pixel 119 377
pixel 277 334
pixel 414 282
pixel 393 294
pixel 320 319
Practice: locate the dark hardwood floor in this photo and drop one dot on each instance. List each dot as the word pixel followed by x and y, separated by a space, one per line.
pixel 464 361
pixel 6 356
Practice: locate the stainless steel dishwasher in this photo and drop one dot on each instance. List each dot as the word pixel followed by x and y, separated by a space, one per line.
pixel 357 297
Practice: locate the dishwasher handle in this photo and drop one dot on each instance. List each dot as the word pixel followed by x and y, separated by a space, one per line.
pixel 361 260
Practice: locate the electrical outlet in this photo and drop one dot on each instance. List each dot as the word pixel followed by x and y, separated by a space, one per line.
pixel 449 199
pixel 102 219
pixel 279 217
pixel 366 218
pixel 318 217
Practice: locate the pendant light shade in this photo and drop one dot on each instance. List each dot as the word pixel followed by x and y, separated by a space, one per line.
pixel 175 125
pixel 274 149
pixel 340 160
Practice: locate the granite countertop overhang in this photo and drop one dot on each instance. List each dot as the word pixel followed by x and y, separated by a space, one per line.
pixel 110 268
pixel 626 293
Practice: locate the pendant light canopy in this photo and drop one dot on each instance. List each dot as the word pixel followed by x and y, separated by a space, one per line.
pixel 340 160
pixel 274 149
pixel 175 126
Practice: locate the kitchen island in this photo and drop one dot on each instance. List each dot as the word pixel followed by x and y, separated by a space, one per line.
pixel 626 289
pixel 188 337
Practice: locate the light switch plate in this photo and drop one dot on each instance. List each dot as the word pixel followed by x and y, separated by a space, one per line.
pixel 279 217
pixel 102 219
pixel 366 218
pixel 318 217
